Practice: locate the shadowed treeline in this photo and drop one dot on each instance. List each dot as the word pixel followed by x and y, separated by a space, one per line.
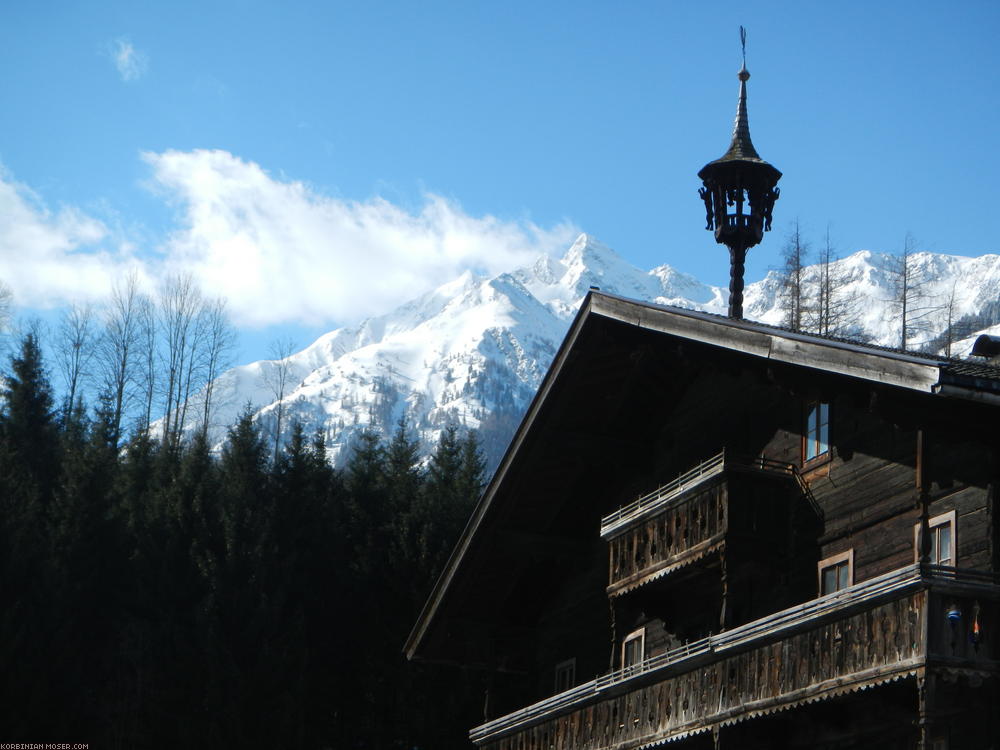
pixel 161 596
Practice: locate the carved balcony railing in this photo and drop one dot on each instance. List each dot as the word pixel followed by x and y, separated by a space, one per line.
pixel 662 495
pixel 682 521
pixel 885 629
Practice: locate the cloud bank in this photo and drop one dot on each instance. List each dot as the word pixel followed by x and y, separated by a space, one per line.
pixel 49 258
pixel 279 251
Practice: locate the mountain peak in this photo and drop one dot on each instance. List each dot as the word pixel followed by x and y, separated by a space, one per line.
pixel 587 248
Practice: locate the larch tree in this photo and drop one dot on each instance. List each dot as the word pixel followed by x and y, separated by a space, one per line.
pixel 913 306
pixel 792 293
pixel 833 310
pixel 953 329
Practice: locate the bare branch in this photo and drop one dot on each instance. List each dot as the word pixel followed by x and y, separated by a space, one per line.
pixel 914 306
pixel 117 348
pixel 220 344
pixel 792 292
pixel 75 349
pixel 178 305
pixel 275 374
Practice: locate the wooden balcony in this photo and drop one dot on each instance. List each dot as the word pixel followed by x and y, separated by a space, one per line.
pixel 687 519
pixel 883 630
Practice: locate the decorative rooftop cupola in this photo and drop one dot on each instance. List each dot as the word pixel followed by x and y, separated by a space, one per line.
pixel 739 194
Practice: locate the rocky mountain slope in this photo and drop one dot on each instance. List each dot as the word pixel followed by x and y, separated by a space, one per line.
pixel 474 351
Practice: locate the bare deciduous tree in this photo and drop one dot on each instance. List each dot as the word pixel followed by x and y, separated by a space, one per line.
pixel 117 349
pixel 74 349
pixel 792 293
pixel 6 316
pixel 147 360
pixel 833 310
pixel 179 303
pixel 197 341
pixel 951 311
pixel 6 305
pixel 275 374
pixel 219 343
pixel 909 295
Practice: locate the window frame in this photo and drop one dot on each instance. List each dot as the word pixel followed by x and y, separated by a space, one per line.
pixel 834 561
pixel 814 439
pixel 638 634
pixel 950 519
pixel 567 666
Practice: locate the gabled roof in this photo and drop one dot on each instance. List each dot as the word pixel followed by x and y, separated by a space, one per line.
pixel 935 377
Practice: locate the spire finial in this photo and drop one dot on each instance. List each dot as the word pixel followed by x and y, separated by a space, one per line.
pixel 744 74
pixel 742 145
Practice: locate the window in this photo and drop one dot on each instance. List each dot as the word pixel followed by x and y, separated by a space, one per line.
pixel 942 530
pixel 816 436
pixel 836 573
pixel 633 649
pixel 565 675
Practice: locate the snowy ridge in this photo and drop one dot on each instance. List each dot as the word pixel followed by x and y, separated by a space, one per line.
pixel 970 287
pixel 474 351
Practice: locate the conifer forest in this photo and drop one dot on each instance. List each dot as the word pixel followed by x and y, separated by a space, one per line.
pixel 159 594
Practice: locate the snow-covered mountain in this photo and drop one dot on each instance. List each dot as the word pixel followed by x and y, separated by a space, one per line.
pixel 474 351
pixel 966 289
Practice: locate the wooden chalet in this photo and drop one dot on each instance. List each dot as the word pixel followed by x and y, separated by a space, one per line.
pixel 711 532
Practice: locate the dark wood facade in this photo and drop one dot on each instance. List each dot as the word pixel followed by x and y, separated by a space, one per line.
pixel 718 534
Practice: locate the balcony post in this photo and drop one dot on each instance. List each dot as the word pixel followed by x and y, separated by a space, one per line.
pixel 724 615
pixel 925 697
pixel 923 503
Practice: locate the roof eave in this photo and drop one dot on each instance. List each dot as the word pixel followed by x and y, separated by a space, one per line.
pixel 844 358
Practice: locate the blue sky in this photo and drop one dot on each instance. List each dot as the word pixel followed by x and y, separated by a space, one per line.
pixel 318 162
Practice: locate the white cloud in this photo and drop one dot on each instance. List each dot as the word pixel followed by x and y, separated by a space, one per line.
pixel 277 250
pixel 130 62
pixel 49 258
pixel 281 252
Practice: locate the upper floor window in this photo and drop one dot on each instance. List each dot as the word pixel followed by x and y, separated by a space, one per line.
pixel 942 530
pixel 633 648
pixel 816 440
pixel 565 675
pixel 836 572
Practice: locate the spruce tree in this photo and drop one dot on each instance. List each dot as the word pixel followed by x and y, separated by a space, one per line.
pixel 257 647
pixel 89 565
pixel 404 481
pixel 27 423
pixel 29 466
pixel 309 536
pixel 445 507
